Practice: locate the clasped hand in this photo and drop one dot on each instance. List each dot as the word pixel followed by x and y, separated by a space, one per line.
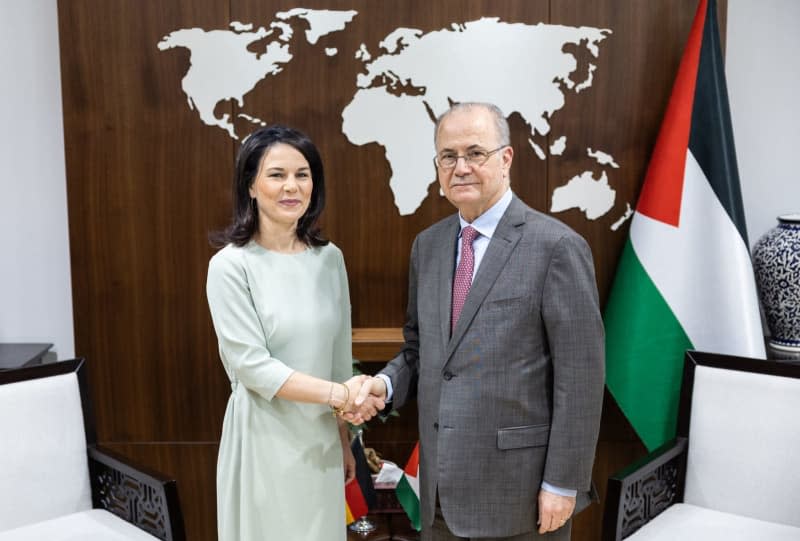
pixel 367 396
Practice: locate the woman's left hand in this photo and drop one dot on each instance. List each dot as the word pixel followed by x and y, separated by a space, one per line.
pixel 349 463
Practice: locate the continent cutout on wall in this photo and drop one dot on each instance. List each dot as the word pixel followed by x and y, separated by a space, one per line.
pixel 593 197
pixel 420 72
pixel 558 146
pixel 412 80
pixel 222 68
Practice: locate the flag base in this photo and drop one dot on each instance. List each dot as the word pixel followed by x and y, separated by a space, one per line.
pixel 362 525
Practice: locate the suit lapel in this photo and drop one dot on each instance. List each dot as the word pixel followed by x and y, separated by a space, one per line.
pixel 505 238
pixel 445 251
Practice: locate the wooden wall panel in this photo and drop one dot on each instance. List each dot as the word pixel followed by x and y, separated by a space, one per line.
pixel 147 181
pixel 621 112
pixel 142 189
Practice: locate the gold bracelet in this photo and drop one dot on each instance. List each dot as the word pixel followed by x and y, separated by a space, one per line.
pixel 337 411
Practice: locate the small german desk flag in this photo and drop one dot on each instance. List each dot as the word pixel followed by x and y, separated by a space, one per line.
pixel 360 492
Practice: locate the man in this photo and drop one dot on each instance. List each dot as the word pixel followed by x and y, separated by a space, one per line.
pixel 503 350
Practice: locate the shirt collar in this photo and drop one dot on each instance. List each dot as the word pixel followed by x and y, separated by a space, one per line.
pixel 487 222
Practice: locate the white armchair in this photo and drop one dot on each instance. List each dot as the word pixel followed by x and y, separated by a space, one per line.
pixel 732 472
pixel 55 483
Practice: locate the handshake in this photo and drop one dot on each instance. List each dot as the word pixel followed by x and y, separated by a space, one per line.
pixel 358 399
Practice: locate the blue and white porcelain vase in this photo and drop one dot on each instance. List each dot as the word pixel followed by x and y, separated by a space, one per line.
pixel 776 262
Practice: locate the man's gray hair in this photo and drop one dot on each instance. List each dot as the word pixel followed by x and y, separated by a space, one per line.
pixel 500 122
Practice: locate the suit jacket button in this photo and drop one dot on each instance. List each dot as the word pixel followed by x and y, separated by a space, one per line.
pixel 448 376
pixel 436 426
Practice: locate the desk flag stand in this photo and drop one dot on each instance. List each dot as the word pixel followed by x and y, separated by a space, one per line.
pixel 364 481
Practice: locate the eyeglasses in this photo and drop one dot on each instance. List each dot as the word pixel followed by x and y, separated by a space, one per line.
pixel 475 157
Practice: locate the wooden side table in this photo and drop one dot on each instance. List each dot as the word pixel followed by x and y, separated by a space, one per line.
pixel 372 344
pixel 19 355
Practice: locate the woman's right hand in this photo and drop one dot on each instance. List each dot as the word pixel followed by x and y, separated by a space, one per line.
pixel 367 409
pixel 353 386
pixel 343 395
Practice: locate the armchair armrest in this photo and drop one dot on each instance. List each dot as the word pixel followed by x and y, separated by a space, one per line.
pixel 641 491
pixel 141 497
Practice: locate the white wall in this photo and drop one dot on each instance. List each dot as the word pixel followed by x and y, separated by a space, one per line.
pixel 35 292
pixel 763 71
pixel 35 287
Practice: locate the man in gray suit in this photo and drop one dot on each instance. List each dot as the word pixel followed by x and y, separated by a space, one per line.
pixel 503 350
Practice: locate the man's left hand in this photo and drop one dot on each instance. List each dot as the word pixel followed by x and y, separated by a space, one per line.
pixel 554 511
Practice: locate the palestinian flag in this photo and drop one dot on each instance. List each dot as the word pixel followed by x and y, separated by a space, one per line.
pixel 408 489
pixel 685 279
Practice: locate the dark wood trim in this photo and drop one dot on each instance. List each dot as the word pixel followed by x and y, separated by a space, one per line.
pixel 127 490
pixel 643 490
pixel 722 19
pixel 89 426
pixel 744 364
pixel 685 399
pixel 377 344
pixel 40 371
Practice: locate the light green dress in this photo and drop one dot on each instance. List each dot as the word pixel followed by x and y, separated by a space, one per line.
pixel 279 471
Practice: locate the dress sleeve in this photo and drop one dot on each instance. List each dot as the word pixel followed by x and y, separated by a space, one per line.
pixel 242 343
pixel 343 343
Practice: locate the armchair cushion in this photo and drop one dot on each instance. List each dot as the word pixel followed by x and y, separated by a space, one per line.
pixel 685 521
pixel 43 464
pixel 730 472
pixel 92 525
pixel 743 439
pixel 52 473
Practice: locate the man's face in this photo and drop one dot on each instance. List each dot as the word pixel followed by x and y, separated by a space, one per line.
pixel 470 187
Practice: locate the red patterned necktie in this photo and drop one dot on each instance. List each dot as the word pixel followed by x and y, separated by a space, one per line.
pixel 463 279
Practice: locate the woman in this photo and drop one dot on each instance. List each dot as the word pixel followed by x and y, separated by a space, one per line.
pixel 280 305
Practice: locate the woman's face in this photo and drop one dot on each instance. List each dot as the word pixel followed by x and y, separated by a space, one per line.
pixel 282 187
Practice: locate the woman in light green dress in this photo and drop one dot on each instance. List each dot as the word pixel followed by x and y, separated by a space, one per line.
pixel 280 305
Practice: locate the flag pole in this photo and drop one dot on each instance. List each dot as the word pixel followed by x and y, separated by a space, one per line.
pixel 363 525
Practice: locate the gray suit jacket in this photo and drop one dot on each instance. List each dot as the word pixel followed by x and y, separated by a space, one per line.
pixel 514 396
